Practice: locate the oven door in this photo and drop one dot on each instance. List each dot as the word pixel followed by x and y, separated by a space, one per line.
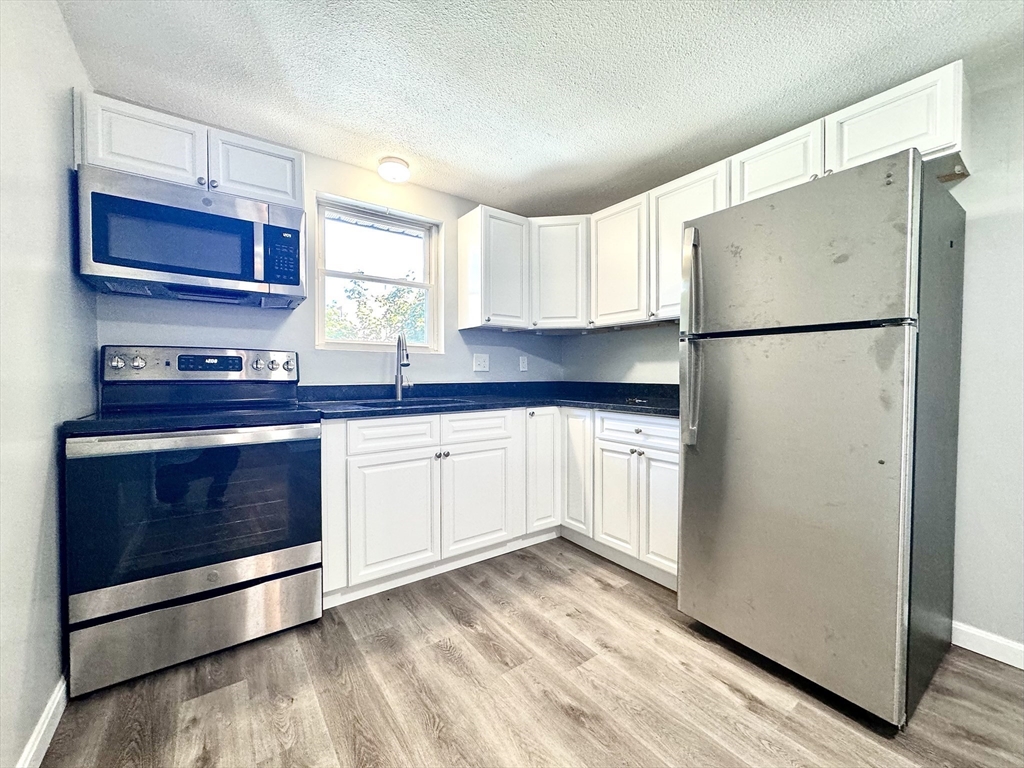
pixel 151 518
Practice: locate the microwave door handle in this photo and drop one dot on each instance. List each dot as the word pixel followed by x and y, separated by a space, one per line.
pixel 257 251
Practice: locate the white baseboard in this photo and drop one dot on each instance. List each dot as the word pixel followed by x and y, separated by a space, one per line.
pixel 630 563
pixel 988 644
pixel 39 741
pixel 348 594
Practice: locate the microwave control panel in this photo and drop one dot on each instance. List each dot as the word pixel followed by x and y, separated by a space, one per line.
pixel 281 262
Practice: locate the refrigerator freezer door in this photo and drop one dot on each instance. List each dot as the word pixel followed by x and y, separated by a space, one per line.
pixel 837 250
pixel 794 521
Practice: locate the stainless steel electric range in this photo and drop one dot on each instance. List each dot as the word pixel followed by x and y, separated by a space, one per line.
pixel 191 510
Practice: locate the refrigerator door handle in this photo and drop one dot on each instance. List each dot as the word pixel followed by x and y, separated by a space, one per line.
pixel 689 384
pixel 689 390
pixel 689 271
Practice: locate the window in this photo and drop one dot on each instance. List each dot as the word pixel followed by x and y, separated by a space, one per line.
pixel 377 277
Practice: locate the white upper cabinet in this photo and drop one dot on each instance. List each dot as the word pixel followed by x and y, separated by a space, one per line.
pixel 252 168
pixel 559 274
pixel 494 269
pixel 778 164
pixel 671 206
pixel 927 113
pixel 618 263
pixel 134 139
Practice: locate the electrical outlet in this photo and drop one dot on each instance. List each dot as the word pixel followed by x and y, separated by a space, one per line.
pixel 522 363
pixel 481 362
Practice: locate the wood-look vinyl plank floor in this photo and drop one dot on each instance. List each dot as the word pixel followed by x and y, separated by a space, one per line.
pixel 549 656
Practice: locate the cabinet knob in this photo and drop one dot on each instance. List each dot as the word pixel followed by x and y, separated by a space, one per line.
pixel 591 322
pixel 532 414
pixel 487 319
pixel 632 451
pixel 214 183
pixel 535 322
pixel 201 181
pixel 437 455
pixel 639 453
pixel 446 454
pixel 651 315
pixel 638 430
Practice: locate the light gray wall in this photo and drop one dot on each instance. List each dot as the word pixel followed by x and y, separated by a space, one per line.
pixel 145 321
pixel 48 321
pixel 989 591
pixel 989 559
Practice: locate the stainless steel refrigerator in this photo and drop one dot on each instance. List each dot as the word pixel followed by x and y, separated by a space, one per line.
pixel 820 374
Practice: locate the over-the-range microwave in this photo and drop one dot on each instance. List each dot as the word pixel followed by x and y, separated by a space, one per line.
pixel 147 237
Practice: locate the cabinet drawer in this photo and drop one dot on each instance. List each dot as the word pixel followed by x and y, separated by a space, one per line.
pixel 482 425
pixel 646 431
pixel 392 433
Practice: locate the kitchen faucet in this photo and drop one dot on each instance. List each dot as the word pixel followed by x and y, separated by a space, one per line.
pixel 401 361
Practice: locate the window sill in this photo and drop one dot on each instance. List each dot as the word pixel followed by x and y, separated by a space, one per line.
pixel 358 346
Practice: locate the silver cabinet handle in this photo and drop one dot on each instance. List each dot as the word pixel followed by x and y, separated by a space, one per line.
pixel 446 454
pixel 828 172
pixel 639 453
pixel 632 451
pixel 201 181
pixel 437 455
pixel 813 176
pixel 591 322
pixel 214 183
pixel 532 414
pixel 535 322
pixel 638 430
pixel 487 319
pixel 652 314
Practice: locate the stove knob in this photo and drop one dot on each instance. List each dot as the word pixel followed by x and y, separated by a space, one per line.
pixel 117 362
pixel 289 365
pixel 273 365
pixel 138 363
pixel 258 364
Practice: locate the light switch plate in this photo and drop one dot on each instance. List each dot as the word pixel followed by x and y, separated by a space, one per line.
pixel 481 362
pixel 522 363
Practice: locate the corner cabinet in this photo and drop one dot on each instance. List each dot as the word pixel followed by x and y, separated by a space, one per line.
pixel 559 274
pixel 618 263
pixel 671 206
pixel 494 264
pixel 779 164
pixel 127 137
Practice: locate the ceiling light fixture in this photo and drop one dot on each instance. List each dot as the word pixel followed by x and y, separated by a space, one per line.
pixel 393 169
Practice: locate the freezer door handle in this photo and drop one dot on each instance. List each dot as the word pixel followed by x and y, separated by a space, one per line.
pixel 689 271
pixel 689 390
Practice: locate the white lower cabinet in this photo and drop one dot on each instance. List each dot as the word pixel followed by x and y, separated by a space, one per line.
pixel 659 508
pixel 543 468
pixel 616 519
pixel 394 512
pixel 482 495
pixel 578 476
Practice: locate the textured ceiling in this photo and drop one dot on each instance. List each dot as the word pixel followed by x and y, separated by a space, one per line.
pixel 536 106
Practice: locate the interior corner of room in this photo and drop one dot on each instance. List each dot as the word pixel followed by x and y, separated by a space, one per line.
pixel 485 472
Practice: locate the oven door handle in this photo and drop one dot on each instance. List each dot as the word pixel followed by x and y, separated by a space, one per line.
pixel 150 442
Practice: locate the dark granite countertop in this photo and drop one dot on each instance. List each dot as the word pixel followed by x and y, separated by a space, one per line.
pixel 372 400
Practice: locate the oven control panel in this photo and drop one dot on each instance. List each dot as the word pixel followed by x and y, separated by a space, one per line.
pixel 121 363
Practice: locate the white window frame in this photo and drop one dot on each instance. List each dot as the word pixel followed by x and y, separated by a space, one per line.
pixel 432 283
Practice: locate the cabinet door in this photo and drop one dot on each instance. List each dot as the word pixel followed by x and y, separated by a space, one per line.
pixel 618 263
pixel 483 495
pixel 925 113
pixel 252 168
pixel 783 162
pixel 333 480
pixel 559 290
pixel 578 476
pixel 544 468
pixel 394 512
pixel 506 265
pixel 659 509
pixel 129 138
pixel 671 206
pixel 616 518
